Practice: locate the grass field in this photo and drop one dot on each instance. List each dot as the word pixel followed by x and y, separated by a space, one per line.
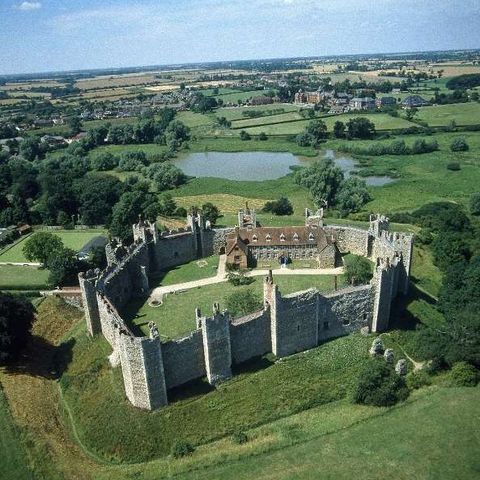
pixel 74 239
pixel 14 462
pixel 16 277
pixel 204 268
pixel 176 317
pixel 442 115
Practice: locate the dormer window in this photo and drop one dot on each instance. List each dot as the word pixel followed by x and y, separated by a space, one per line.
pixel 311 237
pixel 254 238
pixel 282 237
pixel 295 237
pixel 268 237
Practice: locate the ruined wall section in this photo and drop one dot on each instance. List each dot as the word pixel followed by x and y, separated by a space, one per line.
pixel 349 239
pixel 345 311
pixel 88 281
pixel 184 359
pixel 250 336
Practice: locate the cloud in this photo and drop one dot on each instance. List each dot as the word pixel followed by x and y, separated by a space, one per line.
pixel 26 6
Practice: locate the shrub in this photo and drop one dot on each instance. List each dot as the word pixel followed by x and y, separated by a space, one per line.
pixel 463 375
pixel 475 204
pixel 424 236
pixel 379 385
pixel 282 206
pixel 263 136
pixel 237 277
pixel 243 303
pixel 454 166
pixel 245 135
pixel 239 438
pixel 418 379
pixel 459 145
pixel 358 270
pixel 182 449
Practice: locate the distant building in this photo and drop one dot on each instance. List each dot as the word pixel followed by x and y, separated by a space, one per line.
pixel 414 101
pixel 385 102
pixel 312 97
pixel 52 139
pixel 362 103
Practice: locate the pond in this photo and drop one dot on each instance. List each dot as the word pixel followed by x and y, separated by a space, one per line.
pixel 349 167
pixel 239 165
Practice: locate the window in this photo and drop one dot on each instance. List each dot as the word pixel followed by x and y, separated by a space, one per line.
pixel 254 238
pixel 326 325
pixel 346 322
pixel 298 328
pixel 311 237
pixel 236 258
pixel 295 237
pixel 268 238
pixel 282 237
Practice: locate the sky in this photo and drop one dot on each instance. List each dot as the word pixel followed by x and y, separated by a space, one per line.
pixel 52 35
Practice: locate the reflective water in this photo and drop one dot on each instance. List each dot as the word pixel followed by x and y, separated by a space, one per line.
pixel 238 165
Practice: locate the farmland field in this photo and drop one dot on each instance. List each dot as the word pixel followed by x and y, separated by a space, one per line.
pixel 74 239
pixel 442 115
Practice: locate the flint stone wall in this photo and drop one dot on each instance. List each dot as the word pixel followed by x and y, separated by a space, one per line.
pixel 183 359
pixel 250 336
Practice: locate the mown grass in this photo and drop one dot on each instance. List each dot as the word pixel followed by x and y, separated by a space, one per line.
pixel 204 268
pixel 225 202
pixel 15 277
pixel 176 317
pixel 74 239
pixel 14 460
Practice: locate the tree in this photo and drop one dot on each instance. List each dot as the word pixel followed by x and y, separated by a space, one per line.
pixel 339 129
pixel 16 318
pixel 475 203
pixel 63 266
pixel 245 135
pixel 104 161
pixel 323 179
pixel 411 112
pixel 242 303
pixel 262 136
pixel 379 385
pixel 210 212
pixel 360 127
pixel 29 148
pixel 75 125
pixel 459 145
pixel 317 130
pixel 41 245
pixel 167 205
pixel 358 270
pixel 352 196
pixel 176 134
pixel 282 206
pixel 166 176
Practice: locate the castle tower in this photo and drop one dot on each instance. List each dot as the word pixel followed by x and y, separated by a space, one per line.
pixel 141 230
pixel 87 281
pixel 383 284
pixel 216 345
pixel 196 222
pixel 247 217
pixel 314 219
pixel 378 224
pixel 270 301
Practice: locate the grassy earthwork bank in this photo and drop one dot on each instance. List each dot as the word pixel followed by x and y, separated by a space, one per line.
pixel 296 414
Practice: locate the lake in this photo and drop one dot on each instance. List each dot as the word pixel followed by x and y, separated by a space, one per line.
pixel 238 165
pixel 260 166
pixel 349 168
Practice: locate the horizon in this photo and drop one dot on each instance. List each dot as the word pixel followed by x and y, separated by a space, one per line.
pixel 117 35
pixel 185 65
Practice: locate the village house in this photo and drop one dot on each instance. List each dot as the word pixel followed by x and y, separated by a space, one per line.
pixel 362 103
pixel 414 101
pixel 385 102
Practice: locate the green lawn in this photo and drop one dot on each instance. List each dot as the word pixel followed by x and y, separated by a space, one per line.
pixel 236 113
pixel 74 239
pixel 14 462
pixel 441 115
pixel 176 317
pixel 206 267
pixel 252 122
pixel 22 278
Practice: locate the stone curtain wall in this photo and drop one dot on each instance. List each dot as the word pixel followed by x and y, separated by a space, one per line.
pixel 183 359
pixel 285 326
pixel 250 336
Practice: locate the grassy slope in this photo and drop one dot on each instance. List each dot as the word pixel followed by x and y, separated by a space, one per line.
pixel 12 453
pixel 441 115
pixel 176 316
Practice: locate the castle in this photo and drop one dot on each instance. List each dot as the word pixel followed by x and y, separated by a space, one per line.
pixel 284 326
pixel 249 243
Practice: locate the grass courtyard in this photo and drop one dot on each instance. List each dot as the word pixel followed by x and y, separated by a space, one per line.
pixel 19 277
pixel 176 316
